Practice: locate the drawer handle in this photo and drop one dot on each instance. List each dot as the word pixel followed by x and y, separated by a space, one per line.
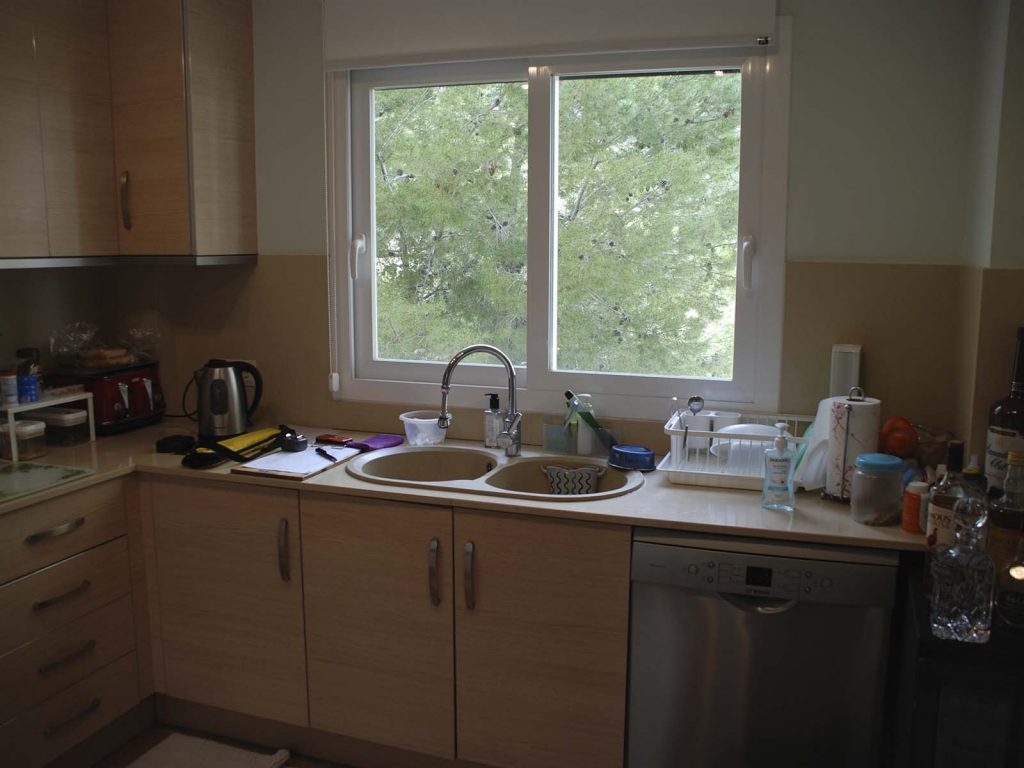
pixel 435 590
pixel 283 558
pixel 57 530
pixel 467 572
pixel 126 214
pixel 53 666
pixel 53 730
pixel 81 589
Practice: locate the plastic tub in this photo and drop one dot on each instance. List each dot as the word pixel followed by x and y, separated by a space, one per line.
pixel 31 439
pixel 64 426
pixel 421 428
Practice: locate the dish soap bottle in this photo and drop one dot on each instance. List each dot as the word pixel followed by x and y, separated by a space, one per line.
pixel 778 474
pixel 494 421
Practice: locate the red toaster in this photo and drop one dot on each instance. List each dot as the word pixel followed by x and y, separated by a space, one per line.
pixel 123 398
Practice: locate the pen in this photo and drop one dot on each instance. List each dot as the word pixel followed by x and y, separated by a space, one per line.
pixel 321 452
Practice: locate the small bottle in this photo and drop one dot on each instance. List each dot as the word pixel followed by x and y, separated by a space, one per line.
pixel 964 577
pixel 941 530
pixel 915 499
pixel 1006 542
pixel 778 474
pixel 494 421
pixel 585 434
pixel 1006 423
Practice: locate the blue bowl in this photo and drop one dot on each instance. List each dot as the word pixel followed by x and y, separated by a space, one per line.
pixel 631 457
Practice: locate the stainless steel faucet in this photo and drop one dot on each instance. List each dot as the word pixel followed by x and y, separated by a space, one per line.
pixel 511 438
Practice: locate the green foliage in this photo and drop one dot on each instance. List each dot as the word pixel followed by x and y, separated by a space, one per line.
pixel 647 203
pixel 451 220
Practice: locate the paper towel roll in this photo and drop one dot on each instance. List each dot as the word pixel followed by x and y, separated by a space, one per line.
pixel 852 430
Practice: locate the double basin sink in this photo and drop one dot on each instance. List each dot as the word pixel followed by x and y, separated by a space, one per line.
pixel 468 470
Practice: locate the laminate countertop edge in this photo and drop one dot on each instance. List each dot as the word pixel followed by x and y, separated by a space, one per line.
pixel 658 504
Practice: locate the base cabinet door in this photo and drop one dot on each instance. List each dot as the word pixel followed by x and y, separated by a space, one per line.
pixel 378 592
pixel 541 627
pixel 229 594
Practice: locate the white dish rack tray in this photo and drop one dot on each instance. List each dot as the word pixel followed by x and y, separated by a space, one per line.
pixel 734 460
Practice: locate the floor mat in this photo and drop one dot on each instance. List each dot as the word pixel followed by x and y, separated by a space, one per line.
pixel 181 751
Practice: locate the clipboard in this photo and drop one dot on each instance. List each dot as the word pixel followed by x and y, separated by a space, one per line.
pixel 295 465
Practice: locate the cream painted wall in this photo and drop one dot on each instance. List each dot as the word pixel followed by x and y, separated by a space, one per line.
pixel 883 98
pixel 1008 225
pixel 291 181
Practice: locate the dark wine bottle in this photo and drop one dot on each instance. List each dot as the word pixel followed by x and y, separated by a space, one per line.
pixel 1006 424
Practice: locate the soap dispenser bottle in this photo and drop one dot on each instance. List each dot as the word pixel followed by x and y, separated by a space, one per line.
pixel 494 421
pixel 778 474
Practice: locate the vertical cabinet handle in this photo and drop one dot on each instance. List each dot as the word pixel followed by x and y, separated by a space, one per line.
pixel 467 566
pixel 435 590
pixel 283 558
pixel 126 215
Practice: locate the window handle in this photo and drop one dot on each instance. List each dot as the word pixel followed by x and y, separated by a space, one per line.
pixel 357 249
pixel 748 247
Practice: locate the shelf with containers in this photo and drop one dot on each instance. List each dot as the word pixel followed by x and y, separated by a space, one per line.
pixel 11 411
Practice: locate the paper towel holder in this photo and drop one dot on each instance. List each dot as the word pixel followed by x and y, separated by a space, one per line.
pixel 855 395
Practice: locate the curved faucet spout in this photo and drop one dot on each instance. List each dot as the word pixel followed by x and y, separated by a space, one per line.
pixel 512 436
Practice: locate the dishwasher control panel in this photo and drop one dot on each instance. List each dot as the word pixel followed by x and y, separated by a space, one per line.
pixel 760 575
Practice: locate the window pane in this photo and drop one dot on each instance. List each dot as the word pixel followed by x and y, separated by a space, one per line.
pixel 450 182
pixel 648 195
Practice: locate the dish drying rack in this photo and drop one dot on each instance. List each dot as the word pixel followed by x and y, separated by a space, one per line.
pixel 735 460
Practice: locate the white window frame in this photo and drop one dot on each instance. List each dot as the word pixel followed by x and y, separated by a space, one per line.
pixel 764 167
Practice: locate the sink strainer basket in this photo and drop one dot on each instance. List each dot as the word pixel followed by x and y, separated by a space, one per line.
pixel 567 481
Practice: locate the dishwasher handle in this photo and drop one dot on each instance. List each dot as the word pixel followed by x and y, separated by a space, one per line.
pixel 766 606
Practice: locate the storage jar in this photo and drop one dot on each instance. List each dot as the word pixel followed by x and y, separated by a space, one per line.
pixel 64 426
pixel 30 437
pixel 877 494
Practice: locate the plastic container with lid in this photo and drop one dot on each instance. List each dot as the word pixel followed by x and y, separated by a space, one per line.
pixel 64 426
pixel 877 495
pixel 30 437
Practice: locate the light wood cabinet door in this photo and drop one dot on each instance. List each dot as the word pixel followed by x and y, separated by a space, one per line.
pixel 147 75
pixel 184 129
pixel 22 196
pixel 541 631
pixel 73 68
pixel 378 590
pixel 229 597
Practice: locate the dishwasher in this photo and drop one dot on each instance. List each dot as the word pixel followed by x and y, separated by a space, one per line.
pixel 745 652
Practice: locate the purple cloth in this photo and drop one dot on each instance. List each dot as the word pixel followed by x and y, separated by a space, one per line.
pixel 376 442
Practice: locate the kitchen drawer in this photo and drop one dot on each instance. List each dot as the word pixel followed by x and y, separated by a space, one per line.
pixel 38 670
pixel 44 533
pixel 46 600
pixel 56 725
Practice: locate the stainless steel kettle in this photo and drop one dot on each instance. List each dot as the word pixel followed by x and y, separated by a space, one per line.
pixel 222 407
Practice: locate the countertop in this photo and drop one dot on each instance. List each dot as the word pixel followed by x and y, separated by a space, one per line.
pixel 658 503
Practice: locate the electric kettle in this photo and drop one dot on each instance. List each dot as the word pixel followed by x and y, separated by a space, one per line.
pixel 222 408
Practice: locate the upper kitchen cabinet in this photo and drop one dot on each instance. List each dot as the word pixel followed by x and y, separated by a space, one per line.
pixel 56 136
pixel 22 196
pixel 73 65
pixel 182 88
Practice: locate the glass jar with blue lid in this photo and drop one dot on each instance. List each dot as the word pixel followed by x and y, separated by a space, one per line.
pixel 877 494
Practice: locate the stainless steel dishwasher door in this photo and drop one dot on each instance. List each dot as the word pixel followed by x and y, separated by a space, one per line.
pixel 751 659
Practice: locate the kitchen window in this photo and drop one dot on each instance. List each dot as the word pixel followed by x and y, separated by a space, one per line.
pixel 614 224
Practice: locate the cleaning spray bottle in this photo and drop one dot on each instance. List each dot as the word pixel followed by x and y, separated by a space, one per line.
pixel 778 474
pixel 585 437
